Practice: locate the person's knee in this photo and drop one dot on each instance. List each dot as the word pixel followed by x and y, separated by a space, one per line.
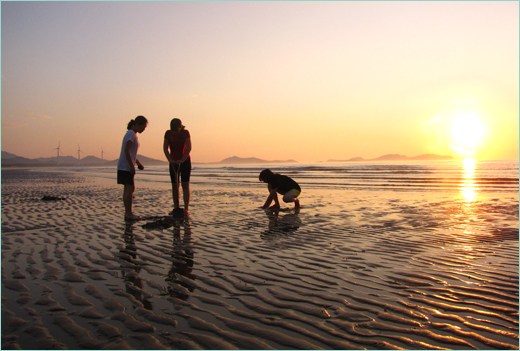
pixel 185 185
pixel 287 199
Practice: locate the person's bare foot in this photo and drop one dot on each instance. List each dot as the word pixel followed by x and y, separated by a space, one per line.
pixel 132 217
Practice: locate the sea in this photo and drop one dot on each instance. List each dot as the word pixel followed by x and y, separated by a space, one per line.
pixel 468 177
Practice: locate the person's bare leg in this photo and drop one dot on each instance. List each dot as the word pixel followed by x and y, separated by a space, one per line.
pixel 291 196
pixel 128 194
pixel 175 195
pixel 186 195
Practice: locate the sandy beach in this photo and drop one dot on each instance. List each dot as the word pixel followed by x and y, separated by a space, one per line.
pixel 354 269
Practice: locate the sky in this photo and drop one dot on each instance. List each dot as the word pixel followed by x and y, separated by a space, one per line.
pixel 308 81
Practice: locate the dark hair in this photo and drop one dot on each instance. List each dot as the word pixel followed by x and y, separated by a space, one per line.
pixel 266 175
pixel 176 124
pixel 139 120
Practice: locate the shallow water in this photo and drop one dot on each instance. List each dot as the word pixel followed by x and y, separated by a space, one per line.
pixel 475 176
pixel 370 267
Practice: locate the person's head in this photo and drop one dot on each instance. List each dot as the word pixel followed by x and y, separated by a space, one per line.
pixel 176 125
pixel 266 175
pixel 138 124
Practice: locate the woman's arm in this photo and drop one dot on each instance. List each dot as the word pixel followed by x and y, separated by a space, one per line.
pixel 272 196
pixel 166 145
pixel 188 150
pixel 275 198
pixel 128 146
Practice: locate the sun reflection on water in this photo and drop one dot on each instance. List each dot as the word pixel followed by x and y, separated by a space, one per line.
pixel 468 185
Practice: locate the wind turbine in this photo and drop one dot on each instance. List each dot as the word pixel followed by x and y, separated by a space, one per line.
pixel 79 153
pixel 58 153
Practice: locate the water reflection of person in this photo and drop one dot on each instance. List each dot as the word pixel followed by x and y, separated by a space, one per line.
pixel 182 263
pixel 286 224
pixel 131 274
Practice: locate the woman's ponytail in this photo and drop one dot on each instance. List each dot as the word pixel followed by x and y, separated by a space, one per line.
pixel 131 124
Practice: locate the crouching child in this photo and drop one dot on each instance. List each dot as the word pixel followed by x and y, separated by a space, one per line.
pixel 280 184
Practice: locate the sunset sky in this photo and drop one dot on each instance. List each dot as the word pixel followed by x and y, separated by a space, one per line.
pixel 309 81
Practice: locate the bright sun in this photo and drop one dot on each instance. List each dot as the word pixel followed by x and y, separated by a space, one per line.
pixel 467 130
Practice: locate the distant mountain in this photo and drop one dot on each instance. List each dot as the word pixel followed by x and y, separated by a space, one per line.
pixel 67 161
pixel 7 156
pixel 355 159
pixel 146 161
pixel 251 160
pixel 15 160
pixel 397 157
pixel 12 160
pixel 391 157
pixel 92 160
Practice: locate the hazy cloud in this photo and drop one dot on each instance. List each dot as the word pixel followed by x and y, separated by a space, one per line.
pixel 32 115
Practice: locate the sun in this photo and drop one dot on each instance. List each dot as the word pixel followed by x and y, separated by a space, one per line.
pixel 467 130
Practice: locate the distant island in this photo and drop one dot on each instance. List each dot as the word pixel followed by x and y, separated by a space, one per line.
pixel 12 160
pixel 397 157
pixel 251 160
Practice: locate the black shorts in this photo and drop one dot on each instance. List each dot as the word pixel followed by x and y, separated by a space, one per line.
pixel 185 171
pixel 125 177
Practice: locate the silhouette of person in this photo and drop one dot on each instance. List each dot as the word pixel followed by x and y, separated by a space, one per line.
pixel 282 184
pixel 177 148
pixel 127 161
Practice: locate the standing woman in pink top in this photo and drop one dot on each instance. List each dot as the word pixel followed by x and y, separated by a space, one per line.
pixel 177 148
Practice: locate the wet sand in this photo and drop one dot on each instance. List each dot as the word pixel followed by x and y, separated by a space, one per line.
pixel 353 270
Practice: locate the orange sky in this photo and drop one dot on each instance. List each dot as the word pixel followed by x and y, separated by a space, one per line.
pixel 309 81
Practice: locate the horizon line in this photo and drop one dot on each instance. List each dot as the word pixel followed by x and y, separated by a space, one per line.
pixel 352 159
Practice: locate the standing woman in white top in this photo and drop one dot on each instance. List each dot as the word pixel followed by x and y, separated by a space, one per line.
pixel 127 161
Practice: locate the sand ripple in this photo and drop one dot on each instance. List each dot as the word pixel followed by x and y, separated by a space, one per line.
pixel 352 270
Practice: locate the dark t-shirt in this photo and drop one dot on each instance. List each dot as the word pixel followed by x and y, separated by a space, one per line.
pixel 284 183
pixel 177 143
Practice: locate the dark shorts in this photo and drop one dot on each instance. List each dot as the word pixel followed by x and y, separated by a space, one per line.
pixel 125 177
pixel 185 171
